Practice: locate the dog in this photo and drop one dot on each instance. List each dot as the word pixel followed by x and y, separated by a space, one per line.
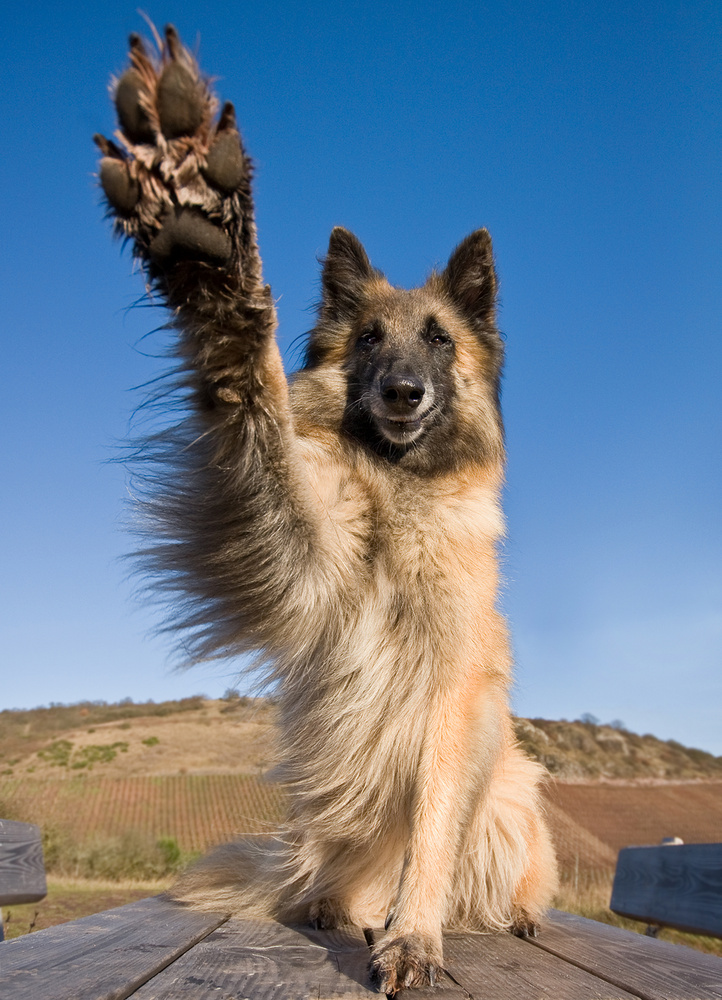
pixel 342 526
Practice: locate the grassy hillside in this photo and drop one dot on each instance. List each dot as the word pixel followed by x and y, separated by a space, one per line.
pixel 235 736
pixel 574 751
pixel 231 736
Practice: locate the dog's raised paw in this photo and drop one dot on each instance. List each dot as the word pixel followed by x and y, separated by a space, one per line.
pixel 175 178
pixel 404 962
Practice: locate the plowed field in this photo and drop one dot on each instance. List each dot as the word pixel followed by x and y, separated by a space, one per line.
pixel 590 822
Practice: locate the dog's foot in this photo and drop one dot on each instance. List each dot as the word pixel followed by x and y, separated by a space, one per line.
pixel 402 962
pixel 328 914
pixel 523 925
pixel 176 178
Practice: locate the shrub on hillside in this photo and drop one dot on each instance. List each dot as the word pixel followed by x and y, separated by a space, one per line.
pixel 129 855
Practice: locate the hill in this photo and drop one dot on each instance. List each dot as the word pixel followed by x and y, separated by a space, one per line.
pixel 584 751
pixel 235 736
pixel 192 735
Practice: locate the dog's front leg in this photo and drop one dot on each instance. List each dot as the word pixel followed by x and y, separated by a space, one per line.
pixel 457 759
pixel 235 521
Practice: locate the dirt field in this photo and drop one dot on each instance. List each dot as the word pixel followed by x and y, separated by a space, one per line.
pixel 625 815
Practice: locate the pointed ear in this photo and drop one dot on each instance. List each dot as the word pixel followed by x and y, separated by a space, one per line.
pixel 345 271
pixel 470 278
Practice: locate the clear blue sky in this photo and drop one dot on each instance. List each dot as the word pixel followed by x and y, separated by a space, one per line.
pixel 585 135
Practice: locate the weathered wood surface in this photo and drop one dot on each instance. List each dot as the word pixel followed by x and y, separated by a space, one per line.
pixel 503 967
pixel 266 961
pixel 649 969
pixel 22 872
pixel 676 885
pixel 103 957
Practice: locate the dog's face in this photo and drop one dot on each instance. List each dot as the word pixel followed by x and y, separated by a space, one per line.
pixel 421 368
pixel 400 370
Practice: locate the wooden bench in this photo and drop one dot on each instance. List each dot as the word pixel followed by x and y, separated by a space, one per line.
pixel 22 872
pixel 157 950
pixel 672 885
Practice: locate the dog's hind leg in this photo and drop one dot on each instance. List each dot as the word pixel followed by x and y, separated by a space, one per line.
pixel 507 871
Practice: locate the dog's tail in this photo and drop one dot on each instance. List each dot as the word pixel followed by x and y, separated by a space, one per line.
pixel 247 877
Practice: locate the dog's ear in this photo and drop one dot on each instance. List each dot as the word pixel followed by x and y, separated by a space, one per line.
pixel 470 278
pixel 346 269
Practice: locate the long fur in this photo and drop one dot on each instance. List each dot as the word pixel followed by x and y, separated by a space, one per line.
pixel 358 566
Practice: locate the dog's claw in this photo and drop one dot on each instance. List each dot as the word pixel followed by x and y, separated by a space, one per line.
pixel 403 963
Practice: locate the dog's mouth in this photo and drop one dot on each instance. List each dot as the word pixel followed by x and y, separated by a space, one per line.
pixel 401 428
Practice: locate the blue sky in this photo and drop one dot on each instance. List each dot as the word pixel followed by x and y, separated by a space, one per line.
pixel 584 135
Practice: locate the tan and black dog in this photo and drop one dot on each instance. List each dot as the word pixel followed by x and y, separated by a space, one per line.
pixel 343 529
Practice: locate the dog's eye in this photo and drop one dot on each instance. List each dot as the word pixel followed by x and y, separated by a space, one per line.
pixel 437 336
pixel 371 336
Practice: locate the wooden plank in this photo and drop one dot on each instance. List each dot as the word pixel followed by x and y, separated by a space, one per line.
pixel 267 961
pixel 650 969
pixel 102 957
pixel 22 872
pixel 676 885
pixel 503 967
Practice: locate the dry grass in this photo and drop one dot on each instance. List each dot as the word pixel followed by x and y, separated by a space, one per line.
pixel 69 899
pixel 588 893
pixel 205 737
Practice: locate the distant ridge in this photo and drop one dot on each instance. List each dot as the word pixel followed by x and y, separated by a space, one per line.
pixel 588 751
pixel 235 735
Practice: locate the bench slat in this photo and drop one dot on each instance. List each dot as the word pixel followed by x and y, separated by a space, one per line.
pixel 22 872
pixel 651 969
pixel 676 885
pixel 503 967
pixel 128 952
pixel 264 960
pixel 106 956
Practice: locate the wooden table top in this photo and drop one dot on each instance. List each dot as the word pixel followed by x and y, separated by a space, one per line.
pixel 157 950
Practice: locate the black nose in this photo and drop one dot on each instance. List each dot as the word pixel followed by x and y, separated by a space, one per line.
pixel 402 392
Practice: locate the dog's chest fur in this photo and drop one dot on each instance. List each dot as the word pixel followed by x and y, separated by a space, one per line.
pixel 409 561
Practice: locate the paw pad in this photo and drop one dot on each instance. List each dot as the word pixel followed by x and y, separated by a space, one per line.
pixel 225 166
pixel 121 190
pixel 186 234
pixel 133 118
pixel 179 101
